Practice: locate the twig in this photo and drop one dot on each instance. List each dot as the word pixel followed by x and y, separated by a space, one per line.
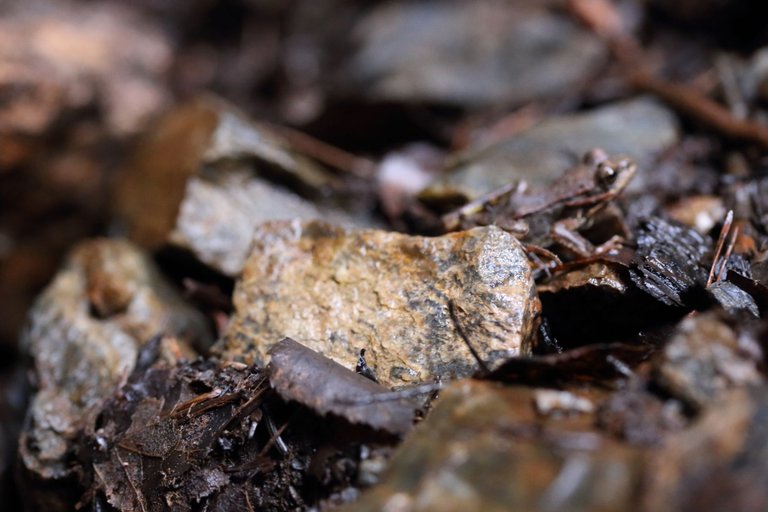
pixel 275 438
pixel 619 365
pixel 691 102
pixel 179 409
pixel 327 154
pixel 719 248
pixel 248 501
pixel 728 251
pixel 683 98
pixel 139 496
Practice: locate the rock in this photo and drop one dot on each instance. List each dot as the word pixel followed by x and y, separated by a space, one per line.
pixel 72 92
pixel 469 53
pixel 639 417
pixel 68 56
pixel 218 214
pixel 484 447
pixel 83 336
pixel 337 291
pixel 706 358
pixel 718 464
pixel 201 182
pixel 553 402
pixel 733 299
pixel 701 212
pixel 638 128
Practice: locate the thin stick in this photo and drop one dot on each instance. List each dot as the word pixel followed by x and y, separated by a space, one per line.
pixel 248 501
pixel 691 102
pixel 275 437
pixel 683 98
pixel 187 406
pixel 139 496
pixel 719 248
pixel 327 154
pixel 728 251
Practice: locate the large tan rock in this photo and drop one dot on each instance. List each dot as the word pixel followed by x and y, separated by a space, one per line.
pixel 339 291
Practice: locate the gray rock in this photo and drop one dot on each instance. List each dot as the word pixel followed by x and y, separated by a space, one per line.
pixel 338 291
pixel 638 128
pixel 706 359
pixel 206 176
pixel 470 53
pixel 733 299
pixel 218 214
pixel 482 448
pixel 83 337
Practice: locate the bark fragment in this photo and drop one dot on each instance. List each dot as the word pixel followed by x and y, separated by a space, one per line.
pixel 303 375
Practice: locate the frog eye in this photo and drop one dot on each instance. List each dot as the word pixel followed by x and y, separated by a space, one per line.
pixel 605 174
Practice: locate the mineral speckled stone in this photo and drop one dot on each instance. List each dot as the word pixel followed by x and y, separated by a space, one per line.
pixel 83 336
pixel 338 291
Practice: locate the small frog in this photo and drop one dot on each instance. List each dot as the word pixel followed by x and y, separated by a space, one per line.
pixel 555 214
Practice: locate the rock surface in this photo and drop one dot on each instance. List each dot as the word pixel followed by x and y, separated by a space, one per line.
pixel 483 448
pixel 338 291
pixel 639 128
pixel 706 358
pixel 83 337
pixel 218 214
pixel 201 181
pixel 514 52
pixel 717 464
